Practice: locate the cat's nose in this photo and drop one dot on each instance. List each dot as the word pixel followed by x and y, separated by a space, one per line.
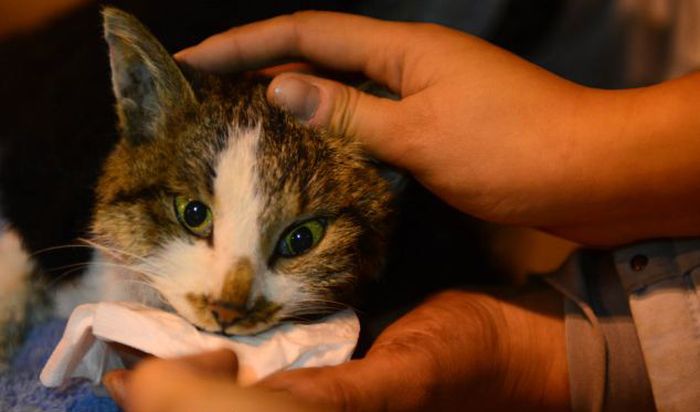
pixel 226 314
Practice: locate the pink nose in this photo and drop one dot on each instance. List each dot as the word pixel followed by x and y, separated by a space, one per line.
pixel 226 314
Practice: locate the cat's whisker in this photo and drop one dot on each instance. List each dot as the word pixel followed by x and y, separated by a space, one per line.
pixel 321 300
pixel 316 306
pixel 133 268
pixel 315 309
pixel 48 283
pixel 145 283
pixel 51 282
pixel 68 273
pixel 89 244
pixel 144 279
pixel 145 275
pixel 72 265
pixel 306 309
pixel 58 247
pixel 328 302
pixel 114 252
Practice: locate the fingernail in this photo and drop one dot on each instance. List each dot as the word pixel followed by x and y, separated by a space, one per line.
pixel 298 97
pixel 115 383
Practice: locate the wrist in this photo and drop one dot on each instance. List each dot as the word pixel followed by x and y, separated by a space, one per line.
pixel 534 364
pixel 629 168
pixel 511 352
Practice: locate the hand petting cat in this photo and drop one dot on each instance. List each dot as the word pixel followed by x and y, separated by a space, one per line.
pixel 488 132
pixel 457 351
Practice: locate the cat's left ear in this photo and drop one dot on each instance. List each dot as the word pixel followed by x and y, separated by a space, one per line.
pixel 149 87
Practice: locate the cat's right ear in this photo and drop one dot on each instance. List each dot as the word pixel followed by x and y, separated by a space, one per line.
pixel 149 87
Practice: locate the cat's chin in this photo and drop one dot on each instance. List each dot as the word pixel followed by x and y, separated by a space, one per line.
pixel 241 330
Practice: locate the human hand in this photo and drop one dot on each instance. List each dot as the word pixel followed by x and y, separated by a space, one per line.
pixel 456 351
pixel 464 102
pixel 205 382
pixel 491 134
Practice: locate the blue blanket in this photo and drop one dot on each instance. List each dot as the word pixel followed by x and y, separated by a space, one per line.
pixel 21 391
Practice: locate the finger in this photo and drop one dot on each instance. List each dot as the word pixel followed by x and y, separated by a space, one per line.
pixel 338 386
pixel 373 47
pixel 158 388
pixel 343 110
pixel 288 67
pixel 116 383
pixel 174 384
pixel 221 362
pixel 363 385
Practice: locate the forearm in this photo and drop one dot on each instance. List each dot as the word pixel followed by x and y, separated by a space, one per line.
pixel 630 167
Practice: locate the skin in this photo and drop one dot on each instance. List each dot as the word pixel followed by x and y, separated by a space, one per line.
pixel 496 137
pixel 207 375
pixel 18 16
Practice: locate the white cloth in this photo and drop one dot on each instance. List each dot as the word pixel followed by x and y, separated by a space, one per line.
pixel 84 351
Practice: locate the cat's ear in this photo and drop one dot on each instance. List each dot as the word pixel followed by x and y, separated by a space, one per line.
pixel 149 87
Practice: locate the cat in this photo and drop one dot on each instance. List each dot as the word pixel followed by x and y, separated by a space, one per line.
pixel 220 207
pixel 226 210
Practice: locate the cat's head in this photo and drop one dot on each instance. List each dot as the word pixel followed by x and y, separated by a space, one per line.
pixel 237 215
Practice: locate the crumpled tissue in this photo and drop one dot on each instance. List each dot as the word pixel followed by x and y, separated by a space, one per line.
pixel 84 349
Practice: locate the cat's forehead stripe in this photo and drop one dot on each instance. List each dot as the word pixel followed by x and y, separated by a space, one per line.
pixel 237 201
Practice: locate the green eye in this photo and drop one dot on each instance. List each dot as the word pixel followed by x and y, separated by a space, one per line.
pixel 194 215
pixel 302 237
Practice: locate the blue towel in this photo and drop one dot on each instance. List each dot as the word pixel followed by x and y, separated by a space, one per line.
pixel 21 391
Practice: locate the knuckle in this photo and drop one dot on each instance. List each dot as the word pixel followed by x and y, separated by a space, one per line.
pixel 323 386
pixel 429 27
pixel 345 394
pixel 343 111
pixel 305 15
pixel 299 21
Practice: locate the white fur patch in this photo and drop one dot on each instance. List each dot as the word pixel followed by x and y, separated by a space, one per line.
pixel 198 268
pixel 238 204
pixel 15 268
pixel 106 280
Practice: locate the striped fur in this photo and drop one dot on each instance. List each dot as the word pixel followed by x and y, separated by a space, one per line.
pixel 217 140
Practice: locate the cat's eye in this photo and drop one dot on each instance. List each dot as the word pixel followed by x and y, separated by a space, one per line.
pixel 301 238
pixel 194 215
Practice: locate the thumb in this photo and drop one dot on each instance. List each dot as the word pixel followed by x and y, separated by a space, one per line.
pixel 334 106
pixel 359 385
pixel 336 387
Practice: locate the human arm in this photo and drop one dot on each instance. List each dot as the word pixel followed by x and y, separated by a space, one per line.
pixel 455 351
pixel 491 134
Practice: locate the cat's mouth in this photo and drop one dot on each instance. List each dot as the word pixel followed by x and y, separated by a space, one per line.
pixel 229 319
pixel 258 320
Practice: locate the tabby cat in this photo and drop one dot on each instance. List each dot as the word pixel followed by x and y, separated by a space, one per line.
pixel 212 203
pixel 220 207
